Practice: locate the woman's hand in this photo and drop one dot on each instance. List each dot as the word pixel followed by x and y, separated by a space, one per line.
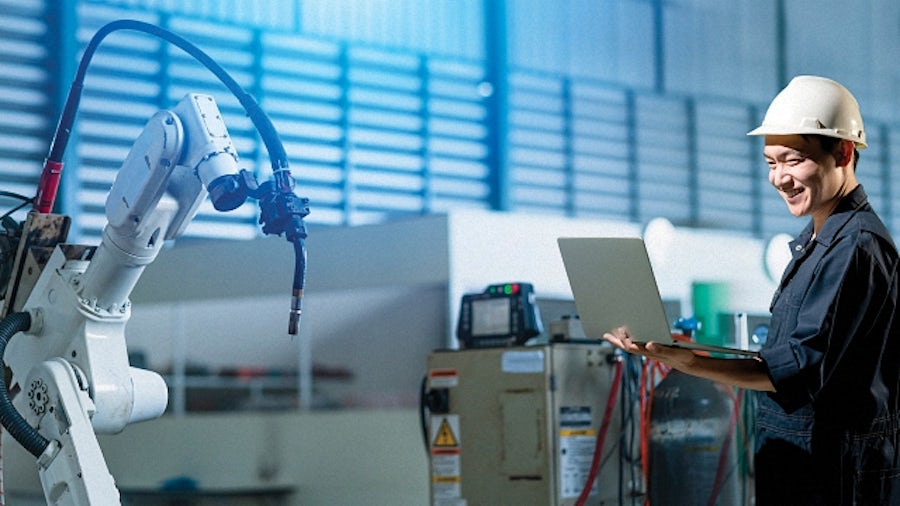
pixel 743 372
pixel 678 358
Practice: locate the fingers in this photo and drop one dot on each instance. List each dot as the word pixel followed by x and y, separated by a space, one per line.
pixel 620 338
pixel 617 333
pixel 616 337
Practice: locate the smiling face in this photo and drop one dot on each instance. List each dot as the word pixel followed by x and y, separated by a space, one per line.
pixel 810 179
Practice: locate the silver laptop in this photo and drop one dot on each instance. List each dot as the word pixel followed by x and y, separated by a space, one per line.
pixel 613 285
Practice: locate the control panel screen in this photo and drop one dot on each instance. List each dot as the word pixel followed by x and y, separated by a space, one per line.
pixel 491 317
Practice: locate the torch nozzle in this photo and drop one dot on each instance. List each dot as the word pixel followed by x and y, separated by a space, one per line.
pixel 296 311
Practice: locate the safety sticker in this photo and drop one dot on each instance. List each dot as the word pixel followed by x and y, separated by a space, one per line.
pixel 443 378
pixel 576 453
pixel 577 441
pixel 446 470
pixel 446 433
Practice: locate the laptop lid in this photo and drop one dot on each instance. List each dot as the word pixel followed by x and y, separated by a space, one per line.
pixel 613 285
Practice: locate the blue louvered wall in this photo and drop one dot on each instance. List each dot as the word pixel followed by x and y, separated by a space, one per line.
pixel 375 130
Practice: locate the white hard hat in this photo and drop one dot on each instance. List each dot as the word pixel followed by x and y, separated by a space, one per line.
pixel 814 105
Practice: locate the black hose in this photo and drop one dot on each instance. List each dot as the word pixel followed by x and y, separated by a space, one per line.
pixel 277 154
pixel 299 265
pixel 12 421
pixel 423 413
pixel 283 180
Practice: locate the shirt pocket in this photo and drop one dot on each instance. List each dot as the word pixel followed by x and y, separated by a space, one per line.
pixel 785 308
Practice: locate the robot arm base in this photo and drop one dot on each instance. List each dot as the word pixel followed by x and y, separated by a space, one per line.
pixel 73 471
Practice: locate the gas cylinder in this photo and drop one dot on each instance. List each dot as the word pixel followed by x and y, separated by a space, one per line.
pixel 692 454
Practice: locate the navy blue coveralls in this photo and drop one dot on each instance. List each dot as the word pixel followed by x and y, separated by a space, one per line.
pixel 830 434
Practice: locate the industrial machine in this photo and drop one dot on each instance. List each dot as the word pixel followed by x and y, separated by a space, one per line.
pixel 66 306
pixel 523 425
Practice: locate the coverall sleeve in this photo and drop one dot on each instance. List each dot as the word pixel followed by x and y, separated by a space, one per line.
pixel 819 354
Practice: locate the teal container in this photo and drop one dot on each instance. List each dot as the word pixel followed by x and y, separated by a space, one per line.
pixel 710 300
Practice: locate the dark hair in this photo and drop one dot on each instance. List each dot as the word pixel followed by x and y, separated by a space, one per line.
pixel 829 144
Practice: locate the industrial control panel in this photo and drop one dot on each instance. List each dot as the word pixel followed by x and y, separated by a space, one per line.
pixel 504 314
pixel 520 425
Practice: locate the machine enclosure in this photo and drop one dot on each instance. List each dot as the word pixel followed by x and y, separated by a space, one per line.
pixel 521 425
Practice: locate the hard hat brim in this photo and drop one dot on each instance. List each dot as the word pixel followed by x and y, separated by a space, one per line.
pixel 799 130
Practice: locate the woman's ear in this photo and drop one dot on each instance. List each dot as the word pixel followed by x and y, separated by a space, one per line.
pixel 844 154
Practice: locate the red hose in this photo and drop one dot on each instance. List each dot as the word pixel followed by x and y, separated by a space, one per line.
pixel 723 456
pixel 604 427
pixel 48 186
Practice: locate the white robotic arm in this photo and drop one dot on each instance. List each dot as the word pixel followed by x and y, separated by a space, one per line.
pixel 71 363
pixel 156 194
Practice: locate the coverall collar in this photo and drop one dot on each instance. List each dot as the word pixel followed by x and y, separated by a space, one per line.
pixel 851 202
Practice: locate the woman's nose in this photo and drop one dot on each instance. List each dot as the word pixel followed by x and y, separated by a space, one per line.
pixel 778 176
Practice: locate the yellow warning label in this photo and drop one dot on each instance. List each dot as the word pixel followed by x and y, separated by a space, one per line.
pixel 445 437
pixel 446 479
pixel 577 432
